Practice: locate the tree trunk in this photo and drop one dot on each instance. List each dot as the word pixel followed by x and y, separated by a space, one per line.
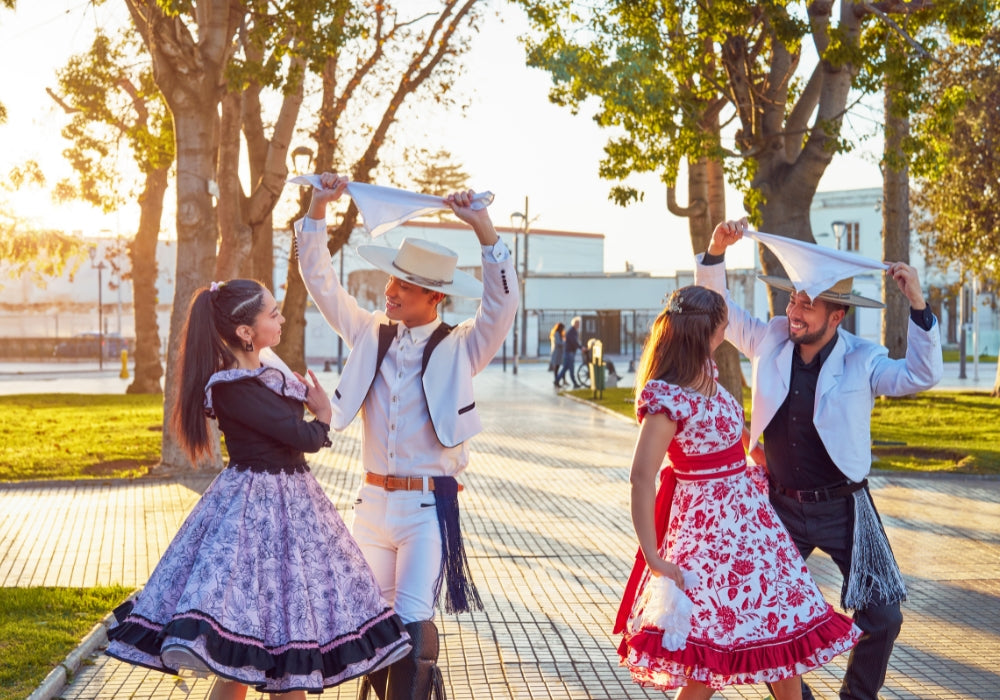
pixel 142 253
pixel 293 307
pixel 727 357
pixel 189 70
pixel 996 381
pixel 895 221
pixel 235 236
pixel 196 123
pixel 707 207
pixel 262 251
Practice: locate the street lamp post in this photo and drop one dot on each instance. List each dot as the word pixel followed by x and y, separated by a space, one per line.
pixel 100 305
pixel 839 229
pixel 523 276
pixel 519 310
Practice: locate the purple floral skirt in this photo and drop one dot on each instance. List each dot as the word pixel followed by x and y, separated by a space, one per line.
pixel 264 585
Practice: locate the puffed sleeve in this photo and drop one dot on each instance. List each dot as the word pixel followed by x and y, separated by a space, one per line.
pixel 262 411
pixel 660 397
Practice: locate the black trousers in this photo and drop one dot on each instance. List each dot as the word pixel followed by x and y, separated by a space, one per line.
pixel 829 527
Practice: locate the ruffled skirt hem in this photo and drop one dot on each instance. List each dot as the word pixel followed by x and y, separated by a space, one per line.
pixel 768 660
pixel 193 637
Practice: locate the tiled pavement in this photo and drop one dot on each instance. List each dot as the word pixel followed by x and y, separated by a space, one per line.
pixel 547 527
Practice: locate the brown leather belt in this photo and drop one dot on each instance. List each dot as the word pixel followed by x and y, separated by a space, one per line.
pixel 401 483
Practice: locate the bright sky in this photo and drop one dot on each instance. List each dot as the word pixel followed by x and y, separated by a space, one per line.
pixel 512 140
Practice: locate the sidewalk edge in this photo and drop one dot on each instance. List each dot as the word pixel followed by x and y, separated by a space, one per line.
pixel 61 675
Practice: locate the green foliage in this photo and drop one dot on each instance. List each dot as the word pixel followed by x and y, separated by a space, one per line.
pixel 25 248
pixel 70 436
pixel 40 626
pixel 114 104
pixel 958 181
pixel 664 74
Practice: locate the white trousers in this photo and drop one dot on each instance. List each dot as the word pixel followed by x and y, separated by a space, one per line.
pixel 399 535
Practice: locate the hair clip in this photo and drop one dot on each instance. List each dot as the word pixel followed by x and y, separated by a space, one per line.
pixel 216 286
pixel 674 305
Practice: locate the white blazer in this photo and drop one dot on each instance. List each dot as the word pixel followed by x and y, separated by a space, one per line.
pixel 447 379
pixel 852 376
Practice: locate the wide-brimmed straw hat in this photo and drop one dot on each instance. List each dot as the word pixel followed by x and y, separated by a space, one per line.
pixel 840 293
pixel 426 264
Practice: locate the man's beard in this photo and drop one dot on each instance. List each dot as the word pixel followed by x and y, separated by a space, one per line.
pixel 810 338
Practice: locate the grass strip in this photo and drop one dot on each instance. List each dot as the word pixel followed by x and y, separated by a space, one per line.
pixel 71 436
pixel 941 431
pixel 40 626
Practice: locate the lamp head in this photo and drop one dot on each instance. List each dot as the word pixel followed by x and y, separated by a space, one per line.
pixel 839 229
pixel 302 157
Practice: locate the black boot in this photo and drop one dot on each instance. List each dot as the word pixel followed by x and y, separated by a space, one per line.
pixel 376 681
pixel 416 676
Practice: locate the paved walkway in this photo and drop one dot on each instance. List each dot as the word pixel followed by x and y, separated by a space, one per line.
pixel 548 531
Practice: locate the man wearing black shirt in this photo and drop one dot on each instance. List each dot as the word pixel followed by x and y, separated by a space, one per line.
pixel 814 385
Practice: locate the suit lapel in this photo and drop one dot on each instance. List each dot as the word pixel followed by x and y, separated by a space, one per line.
pixel 772 390
pixel 833 368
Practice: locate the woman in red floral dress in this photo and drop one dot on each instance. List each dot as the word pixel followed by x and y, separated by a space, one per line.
pixel 756 613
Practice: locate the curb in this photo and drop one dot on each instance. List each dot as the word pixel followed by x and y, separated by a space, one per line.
pixel 62 674
pixel 597 407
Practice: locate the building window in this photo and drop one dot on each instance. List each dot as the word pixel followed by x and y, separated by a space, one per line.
pixel 853 236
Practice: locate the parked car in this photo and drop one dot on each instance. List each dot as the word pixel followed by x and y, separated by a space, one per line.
pixel 84 345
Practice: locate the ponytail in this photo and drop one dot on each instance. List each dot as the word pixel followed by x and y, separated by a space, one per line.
pixel 208 333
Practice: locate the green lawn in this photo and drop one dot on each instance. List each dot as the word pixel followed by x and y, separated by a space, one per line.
pixel 941 431
pixel 40 626
pixel 955 356
pixel 69 436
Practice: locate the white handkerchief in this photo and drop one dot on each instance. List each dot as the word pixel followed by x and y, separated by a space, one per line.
pixel 384 208
pixel 667 607
pixel 812 268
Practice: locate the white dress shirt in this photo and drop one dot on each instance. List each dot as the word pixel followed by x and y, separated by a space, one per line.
pixel 399 438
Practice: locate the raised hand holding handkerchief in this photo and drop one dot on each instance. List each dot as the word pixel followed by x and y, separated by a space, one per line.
pixel 384 208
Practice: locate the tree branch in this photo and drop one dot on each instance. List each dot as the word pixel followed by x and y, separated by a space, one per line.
pixel 69 109
pixel 696 207
pixel 907 7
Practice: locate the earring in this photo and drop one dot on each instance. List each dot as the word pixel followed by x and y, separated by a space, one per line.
pixel 248 345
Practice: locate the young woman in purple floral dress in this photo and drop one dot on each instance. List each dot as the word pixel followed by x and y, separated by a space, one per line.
pixel 263 585
pixel 756 613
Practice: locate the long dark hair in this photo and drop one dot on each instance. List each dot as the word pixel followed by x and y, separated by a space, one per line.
pixel 678 349
pixel 208 335
pixel 557 329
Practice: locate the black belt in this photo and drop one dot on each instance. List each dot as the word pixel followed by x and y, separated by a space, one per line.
pixel 819 495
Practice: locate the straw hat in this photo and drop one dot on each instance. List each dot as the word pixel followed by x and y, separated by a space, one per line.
pixel 425 264
pixel 840 293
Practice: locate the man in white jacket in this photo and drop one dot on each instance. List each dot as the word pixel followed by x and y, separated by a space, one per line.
pixel 410 376
pixel 814 386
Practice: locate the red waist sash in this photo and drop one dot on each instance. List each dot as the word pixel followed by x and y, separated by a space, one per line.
pixel 690 468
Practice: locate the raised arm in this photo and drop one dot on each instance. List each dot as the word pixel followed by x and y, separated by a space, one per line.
pixel 501 294
pixel 339 308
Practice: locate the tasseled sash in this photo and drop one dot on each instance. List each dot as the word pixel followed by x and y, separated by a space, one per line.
pixel 460 591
